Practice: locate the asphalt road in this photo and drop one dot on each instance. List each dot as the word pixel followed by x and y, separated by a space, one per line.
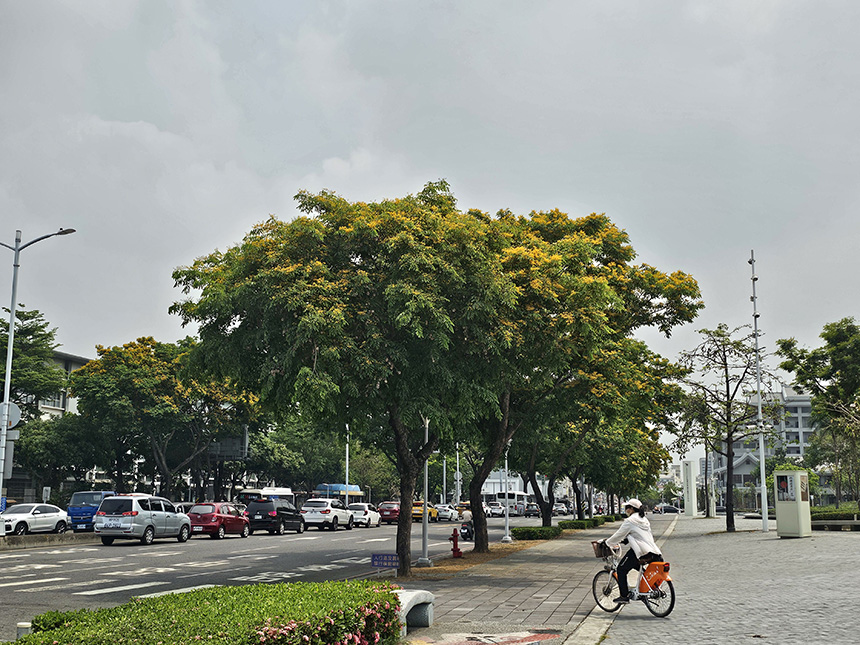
pixel 34 581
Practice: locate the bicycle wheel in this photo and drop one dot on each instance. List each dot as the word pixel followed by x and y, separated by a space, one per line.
pixel 661 602
pixel 605 588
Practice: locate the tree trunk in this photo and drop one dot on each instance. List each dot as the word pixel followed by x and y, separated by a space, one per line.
pixel 730 485
pixel 409 465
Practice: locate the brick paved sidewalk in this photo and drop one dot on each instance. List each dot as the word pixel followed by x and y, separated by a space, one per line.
pixel 538 595
pixel 751 587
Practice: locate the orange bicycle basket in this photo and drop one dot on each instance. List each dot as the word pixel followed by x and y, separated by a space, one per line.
pixel 655 574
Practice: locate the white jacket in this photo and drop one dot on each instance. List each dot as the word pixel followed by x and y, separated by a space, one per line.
pixel 637 530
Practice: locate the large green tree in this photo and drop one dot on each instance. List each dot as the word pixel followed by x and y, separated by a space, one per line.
pixel 35 375
pixel 366 314
pixel 579 294
pixel 144 403
pixel 831 373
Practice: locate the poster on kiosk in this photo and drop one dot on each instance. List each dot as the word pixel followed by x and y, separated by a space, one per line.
pixel 791 497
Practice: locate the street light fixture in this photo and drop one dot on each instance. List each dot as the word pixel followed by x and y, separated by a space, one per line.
pixel 7 383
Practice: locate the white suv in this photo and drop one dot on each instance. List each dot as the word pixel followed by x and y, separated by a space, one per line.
pixel 327 513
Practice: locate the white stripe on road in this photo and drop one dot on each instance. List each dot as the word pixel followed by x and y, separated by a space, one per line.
pixel 68 585
pixel 374 540
pixel 14 555
pixel 170 591
pixel 30 582
pixel 99 592
pixel 310 537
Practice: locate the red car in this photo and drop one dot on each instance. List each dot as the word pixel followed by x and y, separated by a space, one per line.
pixel 389 511
pixel 217 519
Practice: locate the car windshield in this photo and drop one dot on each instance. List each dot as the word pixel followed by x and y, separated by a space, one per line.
pixel 202 509
pixel 389 505
pixel 315 504
pixel 19 509
pixel 115 506
pixel 357 507
pixel 261 504
pixel 85 498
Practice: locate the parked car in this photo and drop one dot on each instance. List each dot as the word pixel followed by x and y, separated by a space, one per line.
pixel 559 509
pixel 138 516
pixel 274 515
pixel 365 514
pixel 447 512
pixel 184 507
pixel 666 508
pixel 532 510
pixel 497 509
pixel 21 519
pixel 324 512
pixel 217 519
pixel 83 506
pixel 389 511
pixel 418 512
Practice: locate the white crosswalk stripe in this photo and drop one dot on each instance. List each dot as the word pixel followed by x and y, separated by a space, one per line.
pixel 100 592
pixel 172 591
pixel 30 582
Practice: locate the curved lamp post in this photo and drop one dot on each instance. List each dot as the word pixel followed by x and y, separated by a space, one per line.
pixel 7 383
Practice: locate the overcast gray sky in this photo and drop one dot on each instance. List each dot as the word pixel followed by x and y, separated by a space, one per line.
pixel 164 130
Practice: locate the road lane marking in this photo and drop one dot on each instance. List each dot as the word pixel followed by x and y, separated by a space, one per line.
pixel 14 555
pixel 99 592
pixel 29 567
pixel 91 561
pixel 170 591
pixel 374 540
pixel 309 537
pixel 30 582
pixel 156 554
pixel 67 551
pixel 143 571
pixel 68 585
pixel 269 576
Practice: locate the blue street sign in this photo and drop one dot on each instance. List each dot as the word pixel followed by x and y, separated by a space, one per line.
pixel 384 560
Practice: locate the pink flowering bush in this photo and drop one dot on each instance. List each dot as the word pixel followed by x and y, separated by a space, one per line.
pixel 357 612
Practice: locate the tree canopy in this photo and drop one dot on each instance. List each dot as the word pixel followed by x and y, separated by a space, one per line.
pixel 409 311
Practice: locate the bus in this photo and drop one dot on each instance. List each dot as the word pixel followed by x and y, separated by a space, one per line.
pixel 272 492
pixel 516 501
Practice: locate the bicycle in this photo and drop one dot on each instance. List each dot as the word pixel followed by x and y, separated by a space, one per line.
pixel 653 587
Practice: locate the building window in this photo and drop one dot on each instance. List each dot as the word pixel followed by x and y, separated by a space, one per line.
pixel 793 450
pixel 55 401
pixel 792 437
pixel 791 422
pixel 805 422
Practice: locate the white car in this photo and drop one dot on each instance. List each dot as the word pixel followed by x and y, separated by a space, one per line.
pixel 21 519
pixel 365 514
pixel 497 509
pixel 447 512
pixel 326 513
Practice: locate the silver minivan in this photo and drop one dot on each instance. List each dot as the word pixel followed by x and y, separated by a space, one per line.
pixel 139 517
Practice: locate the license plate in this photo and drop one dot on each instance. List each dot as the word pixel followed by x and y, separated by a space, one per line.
pixel 82 526
pixel 258 517
pixel 197 528
pixel 113 525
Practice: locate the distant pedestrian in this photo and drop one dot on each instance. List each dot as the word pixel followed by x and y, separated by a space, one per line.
pixel 635 530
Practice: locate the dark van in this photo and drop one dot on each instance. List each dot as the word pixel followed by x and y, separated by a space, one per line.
pixel 83 506
pixel 274 515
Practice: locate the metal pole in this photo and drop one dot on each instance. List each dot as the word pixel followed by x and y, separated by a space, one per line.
pixel 444 480
pixel 347 465
pixel 759 422
pixel 424 560
pixel 458 473
pixel 507 537
pixel 7 383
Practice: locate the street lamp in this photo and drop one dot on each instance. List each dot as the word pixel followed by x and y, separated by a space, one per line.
pixel 7 384
pixel 507 538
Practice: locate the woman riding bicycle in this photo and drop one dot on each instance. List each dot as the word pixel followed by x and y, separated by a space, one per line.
pixel 637 531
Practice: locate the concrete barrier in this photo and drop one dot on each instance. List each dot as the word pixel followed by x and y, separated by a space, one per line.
pixel 416 608
pixel 16 542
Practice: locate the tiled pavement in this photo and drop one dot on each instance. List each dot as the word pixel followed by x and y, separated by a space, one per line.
pixel 747 586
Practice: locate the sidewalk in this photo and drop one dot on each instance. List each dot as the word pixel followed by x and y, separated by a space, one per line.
pixel 730 588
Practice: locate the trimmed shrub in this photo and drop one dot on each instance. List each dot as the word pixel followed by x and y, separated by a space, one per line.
pixel 359 612
pixel 834 515
pixel 535 532
pixel 574 524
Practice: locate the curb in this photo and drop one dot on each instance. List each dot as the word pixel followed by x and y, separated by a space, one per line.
pixel 591 630
pixel 19 542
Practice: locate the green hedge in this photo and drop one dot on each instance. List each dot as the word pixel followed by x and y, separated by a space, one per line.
pixel 574 524
pixel 834 515
pixel 360 612
pixel 535 532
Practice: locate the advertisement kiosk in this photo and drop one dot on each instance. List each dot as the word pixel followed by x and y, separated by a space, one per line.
pixel 791 497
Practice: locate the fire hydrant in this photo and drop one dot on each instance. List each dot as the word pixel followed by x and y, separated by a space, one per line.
pixel 455 550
